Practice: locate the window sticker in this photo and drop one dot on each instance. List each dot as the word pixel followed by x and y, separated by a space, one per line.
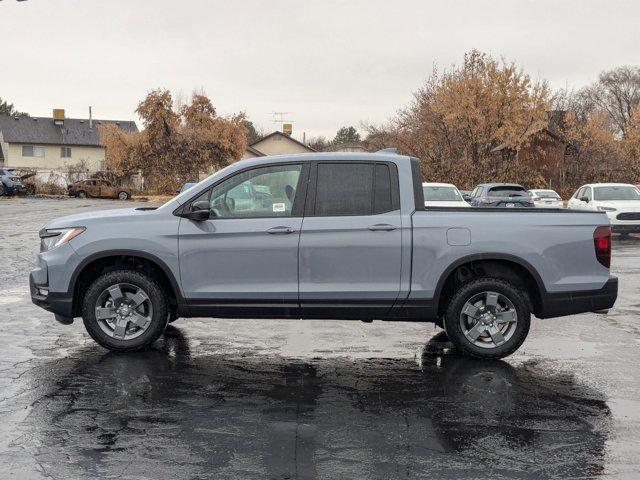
pixel 278 207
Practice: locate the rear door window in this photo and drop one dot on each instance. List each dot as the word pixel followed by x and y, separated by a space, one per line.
pixel 353 189
pixel 344 189
pixel 382 201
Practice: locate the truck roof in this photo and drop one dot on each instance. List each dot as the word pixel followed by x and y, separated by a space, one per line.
pixel 337 156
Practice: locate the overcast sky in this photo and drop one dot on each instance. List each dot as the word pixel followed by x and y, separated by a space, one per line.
pixel 329 62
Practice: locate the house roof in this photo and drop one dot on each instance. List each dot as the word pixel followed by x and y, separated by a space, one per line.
pixel 42 130
pixel 288 137
pixel 529 133
pixel 255 151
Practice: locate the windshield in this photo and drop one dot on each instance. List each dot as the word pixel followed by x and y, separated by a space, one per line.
pixel 507 191
pixel 616 193
pixel 546 194
pixel 441 194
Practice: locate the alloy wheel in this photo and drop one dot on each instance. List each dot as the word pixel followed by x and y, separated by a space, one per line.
pixel 124 311
pixel 488 319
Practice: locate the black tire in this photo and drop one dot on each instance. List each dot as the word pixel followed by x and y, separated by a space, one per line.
pixel 156 295
pixel 123 196
pixel 81 194
pixel 454 329
pixel 2 190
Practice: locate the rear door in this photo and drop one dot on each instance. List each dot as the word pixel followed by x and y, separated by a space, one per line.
pixel 350 245
pixel 107 189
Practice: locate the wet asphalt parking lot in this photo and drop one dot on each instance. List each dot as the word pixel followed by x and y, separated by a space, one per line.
pixel 290 399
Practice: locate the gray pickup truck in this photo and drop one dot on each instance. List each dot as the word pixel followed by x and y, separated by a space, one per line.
pixel 323 236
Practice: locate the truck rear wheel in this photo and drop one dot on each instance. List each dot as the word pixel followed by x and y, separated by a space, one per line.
pixel 125 310
pixel 488 318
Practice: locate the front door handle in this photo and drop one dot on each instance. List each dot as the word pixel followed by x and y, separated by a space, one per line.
pixel 382 227
pixel 280 230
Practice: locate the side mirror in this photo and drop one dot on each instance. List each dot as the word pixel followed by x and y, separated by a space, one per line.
pixel 584 199
pixel 199 211
pixel 466 197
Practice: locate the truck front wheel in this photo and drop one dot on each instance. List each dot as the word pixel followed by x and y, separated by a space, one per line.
pixel 488 318
pixel 125 310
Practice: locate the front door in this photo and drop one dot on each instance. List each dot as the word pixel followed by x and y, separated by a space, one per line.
pixel 244 260
pixel 92 188
pixel 350 245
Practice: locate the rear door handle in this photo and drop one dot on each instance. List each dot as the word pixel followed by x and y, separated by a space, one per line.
pixel 280 230
pixel 382 227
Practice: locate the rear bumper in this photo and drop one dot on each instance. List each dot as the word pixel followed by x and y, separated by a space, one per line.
pixel 570 303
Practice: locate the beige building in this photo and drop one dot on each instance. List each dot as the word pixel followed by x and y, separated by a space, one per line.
pixel 53 143
pixel 276 143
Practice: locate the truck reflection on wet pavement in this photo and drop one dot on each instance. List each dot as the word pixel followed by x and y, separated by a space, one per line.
pixel 318 399
pixel 165 411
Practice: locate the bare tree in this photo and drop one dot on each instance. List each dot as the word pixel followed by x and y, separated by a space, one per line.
pixel 617 93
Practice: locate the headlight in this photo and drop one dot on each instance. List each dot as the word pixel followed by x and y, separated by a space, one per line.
pixel 50 239
pixel 606 209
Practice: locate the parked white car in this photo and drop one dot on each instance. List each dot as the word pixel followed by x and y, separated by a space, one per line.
pixel 442 195
pixel 620 201
pixel 544 198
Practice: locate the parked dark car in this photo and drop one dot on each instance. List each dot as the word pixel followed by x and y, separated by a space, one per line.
pixel 10 183
pixel 504 195
pixel 99 188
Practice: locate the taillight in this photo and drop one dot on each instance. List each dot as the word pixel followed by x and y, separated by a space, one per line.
pixel 602 244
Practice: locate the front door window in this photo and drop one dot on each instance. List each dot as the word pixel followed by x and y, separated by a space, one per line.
pixel 258 193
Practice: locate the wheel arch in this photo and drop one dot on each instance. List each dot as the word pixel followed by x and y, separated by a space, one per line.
pixel 491 264
pixel 97 263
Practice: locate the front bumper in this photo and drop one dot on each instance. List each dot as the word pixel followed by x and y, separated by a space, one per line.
pixel 52 273
pixel 60 304
pixel 15 188
pixel 570 303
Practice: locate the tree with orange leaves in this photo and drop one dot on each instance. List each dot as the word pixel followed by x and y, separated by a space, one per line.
pixel 461 114
pixel 175 146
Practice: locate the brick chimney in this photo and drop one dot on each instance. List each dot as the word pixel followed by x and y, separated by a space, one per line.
pixel 58 116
